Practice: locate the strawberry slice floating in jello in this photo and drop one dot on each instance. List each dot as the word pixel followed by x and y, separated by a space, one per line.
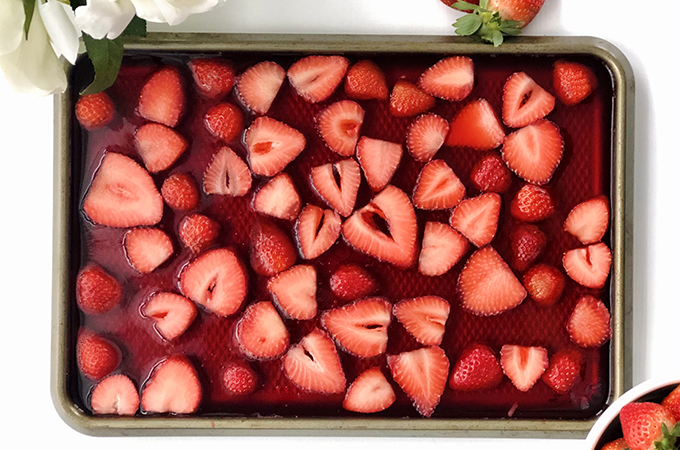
pixel 313 364
pixel 258 86
pixel 339 126
pixel 162 98
pixel 260 332
pixel 524 365
pixel 424 318
pixel 171 313
pixel 294 292
pixel 315 77
pixel 272 145
pixel 173 387
pixel 370 392
pixel 437 187
pixel 524 101
pixel 338 184
pixel 316 230
pixel 227 174
pixel 278 198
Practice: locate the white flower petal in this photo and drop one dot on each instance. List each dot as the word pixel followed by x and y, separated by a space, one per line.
pixel 12 19
pixel 172 12
pixel 105 18
pixel 61 26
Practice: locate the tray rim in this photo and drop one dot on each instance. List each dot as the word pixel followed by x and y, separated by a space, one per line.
pixel 622 244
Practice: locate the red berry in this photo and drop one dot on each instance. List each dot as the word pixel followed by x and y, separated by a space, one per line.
pixel 239 379
pixel 532 204
pixel 544 283
pixel 180 192
pixel 97 292
pixel 490 174
pixel 224 121
pixel 352 282
pixel 573 82
pixel 95 110
pixel 97 357
pixel 198 232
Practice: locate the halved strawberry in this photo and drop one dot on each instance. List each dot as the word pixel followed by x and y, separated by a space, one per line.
pixel 451 78
pixel 224 121
pixel 490 174
pixel 532 204
pixel 425 136
pixel 159 146
pixel 442 248
pixel 96 110
pixel 337 184
pixel 524 101
pixel 487 285
pixel 407 100
pixel 239 379
pixel 198 232
pixel 672 402
pixel 339 126
pixel 96 356
pixel 180 192
pixel 173 387
pixel 424 318
pixel 421 374
pixel 258 86
pixel 590 323
pixel 171 313
pixel 366 81
pixel 147 248
pixel 527 243
pixel 589 220
pixel 316 230
pixel 379 160
pixel 260 332
pixel 534 152
pixel 477 368
pixel 386 228
pixel 272 145
pixel 360 328
pixel 214 77
pixel 588 266
pixel 97 292
pixel 352 282
pixel 294 292
pixel 370 392
pixel 271 250
pixel 476 126
pixel 278 198
pixel 315 77
pixel 524 365
pixel 313 364
pixel 648 426
pixel 217 281
pixel 122 194
pixel 573 82
pixel 564 369
pixel 117 395
pixel 476 218
pixel 162 97
pixel 437 187
pixel 227 174
pixel 544 283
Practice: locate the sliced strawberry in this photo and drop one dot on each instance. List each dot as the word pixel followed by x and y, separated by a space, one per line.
pixel 96 356
pixel 424 318
pixel 487 285
pixel 437 187
pixel 618 444
pixel 180 192
pixel 315 77
pixel 272 145
pixel 369 393
pixel 171 313
pixel 117 395
pixel 313 364
pixel 95 110
pixel 365 81
pixel 227 174
pixel 442 248
pixel 172 388
pixel 672 402
pixel 339 126
pixel 544 283
pixel 573 82
pixel 386 228
pixel 198 232
pixel 294 292
pixel 407 100
pixel 527 243
pixel 425 136
pixel 278 198
pixel 564 369
pixel 524 101
pixel 379 160
pixel 147 248
pixel 643 423
pixel 258 86
pixel 337 184
pixel 239 379
pixel 316 230
pixel 162 97
pixel 477 218
pixel 588 266
pixel 477 368
pixel 590 323
pixel 360 328
pixel 421 374
pixel 476 126
pixel 217 281
pixel 214 77
pixel 532 204
pixel 224 121
pixel 159 146
pixel 534 152
pixel 260 332
pixel 271 250
pixel 97 292
pixel 490 174
pixel 122 194
pixel 589 220
pixel 351 282
pixel 450 79
pixel 524 365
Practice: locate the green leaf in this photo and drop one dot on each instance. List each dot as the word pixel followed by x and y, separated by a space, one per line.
pixel 468 25
pixel 464 6
pixel 29 7
pixel 106 56
pixel 136 27
pixel 484 4
pixel 497 38
pixel 77 3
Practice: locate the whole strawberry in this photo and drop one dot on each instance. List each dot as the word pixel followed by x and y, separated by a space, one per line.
pixel 649 426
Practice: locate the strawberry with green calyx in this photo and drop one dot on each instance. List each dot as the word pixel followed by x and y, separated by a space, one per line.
pixel 649 426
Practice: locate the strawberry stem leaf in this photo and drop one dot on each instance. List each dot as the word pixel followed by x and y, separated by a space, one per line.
pixel 468 25
pixel 464 6
pixel 484 23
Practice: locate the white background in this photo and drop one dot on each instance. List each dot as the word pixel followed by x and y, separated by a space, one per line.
pixel 647 37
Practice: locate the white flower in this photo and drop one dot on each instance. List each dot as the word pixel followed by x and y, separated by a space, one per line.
pixel 171 12
pixel 60 23
pixel 105 18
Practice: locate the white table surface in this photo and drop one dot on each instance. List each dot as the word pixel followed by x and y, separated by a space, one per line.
pixel 26 413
